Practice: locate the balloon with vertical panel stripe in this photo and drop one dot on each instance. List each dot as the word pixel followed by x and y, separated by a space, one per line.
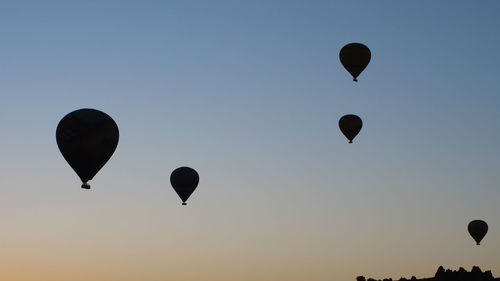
pixel 350 125
pixel 355 58
pixel 87 138
pixel 477 229
pixel 184 180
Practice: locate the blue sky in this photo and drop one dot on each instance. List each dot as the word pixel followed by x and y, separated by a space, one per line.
pixel 249 93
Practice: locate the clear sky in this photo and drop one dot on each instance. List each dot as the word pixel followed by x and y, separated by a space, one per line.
pixel 249 93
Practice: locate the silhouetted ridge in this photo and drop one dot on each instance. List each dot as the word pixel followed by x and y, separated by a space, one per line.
pixel 447 275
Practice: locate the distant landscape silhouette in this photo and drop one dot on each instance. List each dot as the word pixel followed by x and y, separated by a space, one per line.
pixel 447 275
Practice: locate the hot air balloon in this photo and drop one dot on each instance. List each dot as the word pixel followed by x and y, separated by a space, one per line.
pixel 184 180
pixel 87 138
pixel 355 57
pixel 477 229
pixel 350 125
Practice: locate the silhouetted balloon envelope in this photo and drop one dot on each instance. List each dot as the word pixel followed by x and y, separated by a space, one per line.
pixel 477 229
pixel 350 125
pixel 87 138
pixel 355 57
pixel 184 180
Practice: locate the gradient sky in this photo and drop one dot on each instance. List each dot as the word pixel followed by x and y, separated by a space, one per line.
pixel 249 93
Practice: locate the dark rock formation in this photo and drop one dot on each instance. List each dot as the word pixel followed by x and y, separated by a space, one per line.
pixel 448 275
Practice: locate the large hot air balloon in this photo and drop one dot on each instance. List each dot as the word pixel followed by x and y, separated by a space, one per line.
pixel 350 125
pixel 87 138
pixel 355 57
pixel 184 180
pixel 477 229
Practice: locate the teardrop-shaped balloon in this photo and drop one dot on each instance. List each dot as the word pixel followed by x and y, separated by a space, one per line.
pixel 87 138
pixel 350 125
pixel 355 58
pixel 477 229
pixel 184 180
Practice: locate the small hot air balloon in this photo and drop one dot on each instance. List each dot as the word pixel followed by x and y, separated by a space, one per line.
pixel 87 138
pixel 477 229
pixel 355 57
pixel 350 125
pixel 184 180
